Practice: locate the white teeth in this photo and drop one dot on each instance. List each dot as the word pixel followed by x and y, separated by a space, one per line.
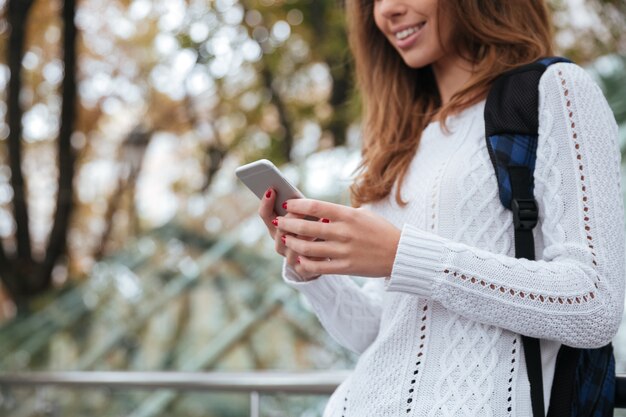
pixel 408 32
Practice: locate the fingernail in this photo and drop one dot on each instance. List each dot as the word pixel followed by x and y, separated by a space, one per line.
pixel 285 205
pixel 275 222
pixel 284 239
pixel 325 221
pixel 268 194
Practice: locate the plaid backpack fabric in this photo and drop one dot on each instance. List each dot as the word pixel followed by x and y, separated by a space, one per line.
pixel 584 379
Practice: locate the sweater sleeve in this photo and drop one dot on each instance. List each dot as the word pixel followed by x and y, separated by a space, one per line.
pixel 350 313
pixel 574 292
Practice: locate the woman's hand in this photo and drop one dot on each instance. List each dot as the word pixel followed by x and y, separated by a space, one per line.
pixel 345 241
pixel 269 217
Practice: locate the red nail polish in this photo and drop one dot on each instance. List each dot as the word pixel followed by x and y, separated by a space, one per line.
pixel 275 222
pixel 268 194
pixel 325 221
pixel 285 205
pixel 284 239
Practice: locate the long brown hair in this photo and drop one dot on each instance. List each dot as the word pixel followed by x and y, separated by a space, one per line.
pixel 400 101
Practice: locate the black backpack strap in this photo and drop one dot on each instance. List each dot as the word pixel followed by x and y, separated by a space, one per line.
pixel 511 132
pixel 562 394
pixel 525 211
pixel 525 215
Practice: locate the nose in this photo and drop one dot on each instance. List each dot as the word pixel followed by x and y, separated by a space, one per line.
pixel 391 8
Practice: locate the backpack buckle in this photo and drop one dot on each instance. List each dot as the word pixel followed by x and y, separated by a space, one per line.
pixel 525 213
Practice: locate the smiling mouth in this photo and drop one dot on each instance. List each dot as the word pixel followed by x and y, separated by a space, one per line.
pixel 403 34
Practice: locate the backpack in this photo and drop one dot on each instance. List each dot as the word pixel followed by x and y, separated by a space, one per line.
pixel 584 379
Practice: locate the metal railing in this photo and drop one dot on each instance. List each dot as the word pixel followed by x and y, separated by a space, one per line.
pixel 255 383
pixel 311 382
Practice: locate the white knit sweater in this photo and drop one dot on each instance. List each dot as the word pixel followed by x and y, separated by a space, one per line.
pixel 440 336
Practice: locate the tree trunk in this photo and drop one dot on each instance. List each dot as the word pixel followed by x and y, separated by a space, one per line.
pixel 341 71
pixel 287 144
pixel 131 154
pixel 17 16
pixel 57 242
pixel 338 62
pixel 15 270
pixel 22 275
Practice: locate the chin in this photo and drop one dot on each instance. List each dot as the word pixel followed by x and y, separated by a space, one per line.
pixel 416 63
pixel 417 60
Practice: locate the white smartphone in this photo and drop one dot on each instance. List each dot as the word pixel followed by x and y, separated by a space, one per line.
pixel 263 174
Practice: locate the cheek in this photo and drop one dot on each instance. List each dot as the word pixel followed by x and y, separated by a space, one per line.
pixel 378 20
pixel 436 39
pixel 443 30
pixel 380 26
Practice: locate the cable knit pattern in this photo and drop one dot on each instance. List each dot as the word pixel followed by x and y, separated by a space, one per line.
pixel 440 336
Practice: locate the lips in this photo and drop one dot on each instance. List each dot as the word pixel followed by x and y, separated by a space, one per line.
pixel 406 36
pixel 402 34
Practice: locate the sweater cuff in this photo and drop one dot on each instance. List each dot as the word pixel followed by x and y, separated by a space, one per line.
pixel 321 290
pixel 290 274
pixel 417 261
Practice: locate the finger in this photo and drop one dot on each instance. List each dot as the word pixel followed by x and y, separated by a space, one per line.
pixel 280 239
pixel 316 208
pixel 279 245
pixel 308 266
pixel 312 249
pixel 300 227
pixel 294 216
pixel 292 258
pixel 266 209
pixel 299 216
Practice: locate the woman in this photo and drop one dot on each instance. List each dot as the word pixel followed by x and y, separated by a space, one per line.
pixel 438 325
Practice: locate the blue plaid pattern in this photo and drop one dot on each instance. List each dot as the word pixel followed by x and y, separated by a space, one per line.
pixel 606 400
pixel 595 383
pixel 508 150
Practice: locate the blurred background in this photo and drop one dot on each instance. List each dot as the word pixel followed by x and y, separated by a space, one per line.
pixel 126 242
